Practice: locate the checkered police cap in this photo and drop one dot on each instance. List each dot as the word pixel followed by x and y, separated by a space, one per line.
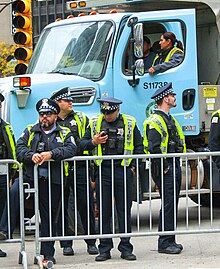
pixel 64 94
pixel 109 104
pixel 46 104
pixel 163 91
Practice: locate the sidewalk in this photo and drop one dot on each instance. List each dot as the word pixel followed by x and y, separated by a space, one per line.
pixel 200 251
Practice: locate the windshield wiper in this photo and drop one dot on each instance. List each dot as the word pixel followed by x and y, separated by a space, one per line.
pixel 60 71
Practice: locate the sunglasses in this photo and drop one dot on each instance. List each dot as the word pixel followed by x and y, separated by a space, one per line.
pixel 108 112
pixel 48 113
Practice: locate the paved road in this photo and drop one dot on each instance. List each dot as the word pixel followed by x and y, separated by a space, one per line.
pixel 200 251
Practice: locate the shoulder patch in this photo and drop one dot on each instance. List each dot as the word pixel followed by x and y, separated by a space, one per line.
pixel 215 120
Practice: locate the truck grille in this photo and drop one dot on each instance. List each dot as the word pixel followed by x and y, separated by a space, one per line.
pixel 83 96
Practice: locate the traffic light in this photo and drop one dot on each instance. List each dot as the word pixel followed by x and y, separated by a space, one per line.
pixel 22 21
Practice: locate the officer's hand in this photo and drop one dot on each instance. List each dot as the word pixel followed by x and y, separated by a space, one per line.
pixel 151 70
pixel 36 158
pixel 46 155
pixel 100 138
pixel 166 170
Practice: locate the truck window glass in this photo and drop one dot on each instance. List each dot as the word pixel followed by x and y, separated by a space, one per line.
pixel 73 49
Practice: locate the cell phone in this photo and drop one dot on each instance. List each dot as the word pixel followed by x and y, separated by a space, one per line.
pixel 103 133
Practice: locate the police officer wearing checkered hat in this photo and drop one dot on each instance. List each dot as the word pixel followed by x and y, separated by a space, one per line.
pixel 163 134
pixel 76 121
pixel 7 151
pixel 214 136
pixel 113 133
pixel 38 143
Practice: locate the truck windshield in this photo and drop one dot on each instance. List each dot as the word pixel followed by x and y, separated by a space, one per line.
pixel 79 49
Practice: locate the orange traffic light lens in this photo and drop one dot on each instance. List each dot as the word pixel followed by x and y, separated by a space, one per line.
pixel 22 38
pixel 73 5
pixel 23 54
pixel 21 22
pixel 21 6
pixel 82 4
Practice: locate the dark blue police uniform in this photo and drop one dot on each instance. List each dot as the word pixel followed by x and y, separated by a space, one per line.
pixel 166 243
pixel 77 123
pixel 41 141
pixel 113 146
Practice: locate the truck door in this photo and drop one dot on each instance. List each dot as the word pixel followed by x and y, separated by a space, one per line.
pixel 137 100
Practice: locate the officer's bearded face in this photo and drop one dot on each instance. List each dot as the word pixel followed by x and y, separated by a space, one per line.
pixel 171 100
pixel 47 121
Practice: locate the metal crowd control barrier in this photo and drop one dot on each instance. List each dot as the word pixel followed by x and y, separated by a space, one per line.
pixel 192 165
pixel 4 164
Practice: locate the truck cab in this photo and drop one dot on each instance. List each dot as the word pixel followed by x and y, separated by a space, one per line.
pixel 88 55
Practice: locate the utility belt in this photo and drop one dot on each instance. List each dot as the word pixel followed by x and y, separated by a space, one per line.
pixel 108 163
pixel 43 178
pixel 170 160
pixel 78 164
pixel 174 147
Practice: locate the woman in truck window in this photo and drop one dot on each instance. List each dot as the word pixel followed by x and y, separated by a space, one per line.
pixel 170 55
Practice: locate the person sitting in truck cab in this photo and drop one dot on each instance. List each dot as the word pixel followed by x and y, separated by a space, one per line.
pixel 148 53
pixel 171 54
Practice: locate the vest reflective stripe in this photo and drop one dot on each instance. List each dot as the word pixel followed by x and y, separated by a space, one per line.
pixel 63 133
pixel 30 136
pixel 81 123
pixel 157 122
pixel 129 122
pixel 217 111
pixel 145 140
pixel 95 126
pixel 9 132
pixel 181 135
pixel 169 55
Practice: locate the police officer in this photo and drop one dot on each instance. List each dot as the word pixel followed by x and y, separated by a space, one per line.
pixel 214 136
pixel 38 143
pixel 7 151
pixel 163 134
pixel 112 133
pixel 77 121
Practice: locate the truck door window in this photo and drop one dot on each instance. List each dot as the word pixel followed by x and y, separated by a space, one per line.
pixel 153 32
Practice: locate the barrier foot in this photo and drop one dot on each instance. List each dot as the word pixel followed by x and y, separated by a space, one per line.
pixel 22 259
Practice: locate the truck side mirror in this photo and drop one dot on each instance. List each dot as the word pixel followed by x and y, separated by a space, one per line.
pixel 138 40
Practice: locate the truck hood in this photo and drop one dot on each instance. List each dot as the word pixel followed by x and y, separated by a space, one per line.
pixel 52 79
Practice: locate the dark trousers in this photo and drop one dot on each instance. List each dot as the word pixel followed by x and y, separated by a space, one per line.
pixel 82 207
pixel 47 248
pixel 3 192
pixel 106 244
pixel 168 202
pixel 14 209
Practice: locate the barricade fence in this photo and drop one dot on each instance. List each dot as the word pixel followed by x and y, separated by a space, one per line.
pixel 200 182
pixel 6 220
